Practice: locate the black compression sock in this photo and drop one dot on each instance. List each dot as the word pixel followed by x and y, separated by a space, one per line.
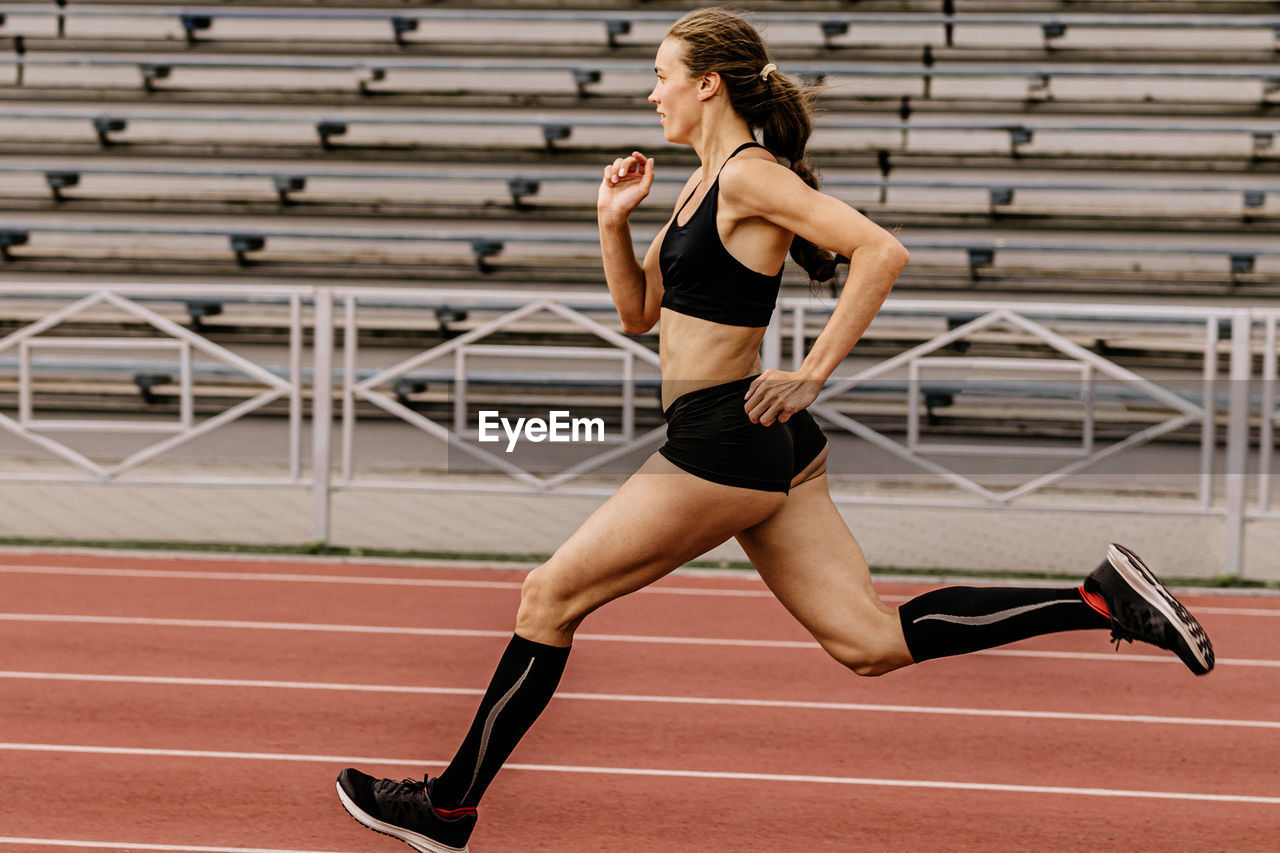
pixel 522 686
pixel 959 619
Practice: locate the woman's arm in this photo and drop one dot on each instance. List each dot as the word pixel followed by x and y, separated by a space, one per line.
pixel 636 288
pixel 773 192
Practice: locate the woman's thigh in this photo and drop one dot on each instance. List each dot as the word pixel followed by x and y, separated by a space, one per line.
pixel 659 519
pixel 810 560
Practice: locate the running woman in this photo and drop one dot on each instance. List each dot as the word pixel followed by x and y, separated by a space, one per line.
pixel 743 458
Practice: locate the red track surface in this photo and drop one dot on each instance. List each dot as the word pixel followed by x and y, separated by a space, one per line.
pixel 223 727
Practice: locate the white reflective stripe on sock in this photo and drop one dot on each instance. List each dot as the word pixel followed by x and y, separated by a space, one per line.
pixel 488 726
pixel 991 618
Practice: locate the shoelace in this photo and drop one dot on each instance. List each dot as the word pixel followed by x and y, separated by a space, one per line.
pixel 401 800
pixel 407 786
pixel 413 794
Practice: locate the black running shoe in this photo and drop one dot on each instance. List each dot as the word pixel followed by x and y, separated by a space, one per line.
pixel 403 810
pixel 1142 609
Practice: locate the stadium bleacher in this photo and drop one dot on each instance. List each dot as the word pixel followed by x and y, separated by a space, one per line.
pixel 1022 147
pixel 219 89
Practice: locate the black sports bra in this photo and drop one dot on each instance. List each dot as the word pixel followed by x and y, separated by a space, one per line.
pixel 699 276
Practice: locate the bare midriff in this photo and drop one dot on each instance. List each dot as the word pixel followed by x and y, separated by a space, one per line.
pixel 697 353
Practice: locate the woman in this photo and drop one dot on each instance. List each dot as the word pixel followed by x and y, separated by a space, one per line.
pixel 743 458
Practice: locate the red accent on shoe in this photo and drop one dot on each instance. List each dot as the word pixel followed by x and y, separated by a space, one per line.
pixel 462 812
pixel 1095 601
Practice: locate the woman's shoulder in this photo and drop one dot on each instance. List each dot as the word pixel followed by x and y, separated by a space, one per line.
pixel 753 178
pixel 753 167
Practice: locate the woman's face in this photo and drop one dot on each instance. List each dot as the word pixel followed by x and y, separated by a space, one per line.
pixel 676 93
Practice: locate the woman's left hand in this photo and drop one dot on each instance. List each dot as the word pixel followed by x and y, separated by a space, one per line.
pixel 776 395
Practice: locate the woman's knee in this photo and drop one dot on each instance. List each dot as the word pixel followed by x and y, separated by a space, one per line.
pixel 868 658
pixel 547 606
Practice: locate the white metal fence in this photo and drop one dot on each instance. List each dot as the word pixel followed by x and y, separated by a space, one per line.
pixel 1230 353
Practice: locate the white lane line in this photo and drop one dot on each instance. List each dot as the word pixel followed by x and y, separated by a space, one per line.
pixel 786 704
pixel 383 629
pixel 341 760
pixel 605 638
pixel 134 845
pixel 273 577
pixel 1116 656
pixel 1195 609
pixel 284 577
pixel 1226 611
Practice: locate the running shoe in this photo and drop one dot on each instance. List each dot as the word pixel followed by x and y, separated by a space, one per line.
pixel 1142 609
pixel 403 810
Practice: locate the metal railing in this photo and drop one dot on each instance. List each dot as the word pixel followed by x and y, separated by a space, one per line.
pixel 347 381
pixel 170 335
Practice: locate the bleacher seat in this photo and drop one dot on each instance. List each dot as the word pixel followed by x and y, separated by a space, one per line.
pixel 1104 139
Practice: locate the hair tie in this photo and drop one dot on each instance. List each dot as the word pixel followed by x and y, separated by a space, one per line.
pixel 768 69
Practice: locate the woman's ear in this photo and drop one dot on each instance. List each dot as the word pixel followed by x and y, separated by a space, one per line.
pixel 708 85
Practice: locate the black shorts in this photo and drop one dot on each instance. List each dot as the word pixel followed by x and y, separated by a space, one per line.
pixel 710 436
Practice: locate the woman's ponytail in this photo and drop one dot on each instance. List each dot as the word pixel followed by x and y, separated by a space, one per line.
pixel 786 122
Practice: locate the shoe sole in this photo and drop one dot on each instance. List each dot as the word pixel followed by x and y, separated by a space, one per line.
pixel 413 839
pixel 1144 582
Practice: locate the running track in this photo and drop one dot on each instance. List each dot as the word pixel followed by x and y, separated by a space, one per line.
pixel 207 705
